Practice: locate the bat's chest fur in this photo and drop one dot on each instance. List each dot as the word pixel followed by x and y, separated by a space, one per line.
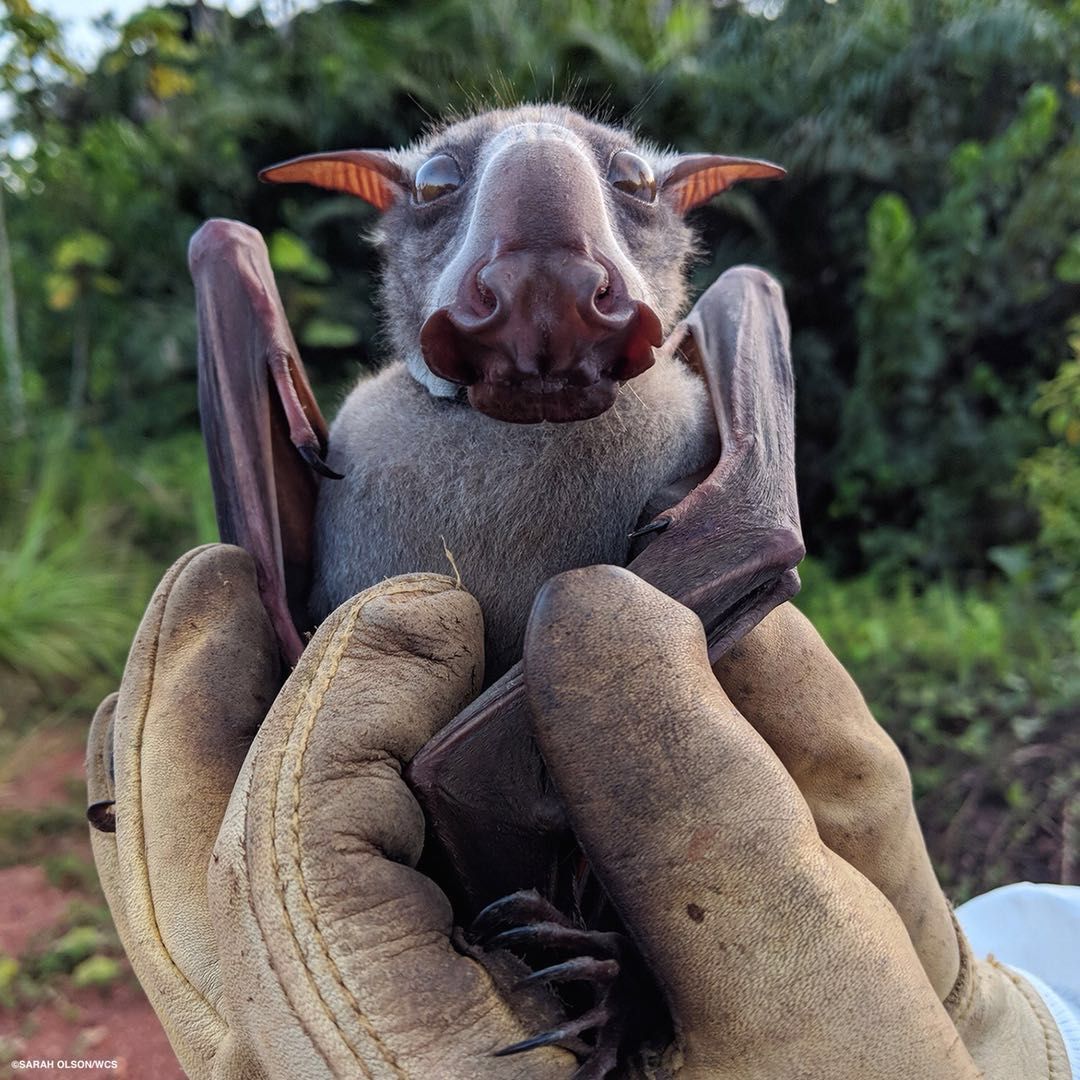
pixel 515 504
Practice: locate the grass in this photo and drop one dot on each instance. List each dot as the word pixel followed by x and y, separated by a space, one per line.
pixel 995 632
pixel 62 607
pixel 84 534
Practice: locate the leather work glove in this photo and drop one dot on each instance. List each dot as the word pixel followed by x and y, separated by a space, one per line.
pixel 758 838
pixel 266 897
pixel 775 879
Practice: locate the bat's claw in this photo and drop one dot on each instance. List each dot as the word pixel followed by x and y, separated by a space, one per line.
pixel 593 1020
pixel 315 461
pixel 557 937
pixel 606 1023
pixel 526 922
pixel 578 969
pixel 526 906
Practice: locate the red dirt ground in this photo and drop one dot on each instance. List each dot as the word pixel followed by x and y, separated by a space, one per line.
pixel 111 1024
pixel 116 1025
pixel 33 788
pixel 29 905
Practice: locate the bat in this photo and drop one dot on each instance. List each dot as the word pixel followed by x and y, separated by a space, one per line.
pixel 534 419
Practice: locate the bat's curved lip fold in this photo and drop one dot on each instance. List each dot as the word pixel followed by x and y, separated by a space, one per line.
pixel 517 373
pixel 541 400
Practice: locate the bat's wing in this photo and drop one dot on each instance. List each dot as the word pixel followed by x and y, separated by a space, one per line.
pixel 728 550
pixel 263 430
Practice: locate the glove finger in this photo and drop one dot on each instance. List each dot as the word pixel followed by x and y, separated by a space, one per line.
pixel 785 681
pixel 99 768
pixel 710 854
pixel 202 671
pixel 336 950
pixel 100 803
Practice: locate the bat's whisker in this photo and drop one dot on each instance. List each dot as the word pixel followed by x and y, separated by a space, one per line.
pixel 641 400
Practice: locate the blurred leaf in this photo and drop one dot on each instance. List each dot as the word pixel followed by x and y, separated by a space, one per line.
pixel 69 871
pixel 324 333
pixel 1013 562
pixel 96 971
pixel 289 254
pixel 1067 268
pixel 62 291
pixel 106 284
pixel 167 81
pixel 1017 797
pixel 1027 728
pixel 71 949
pixel 82 249
pixel 9 970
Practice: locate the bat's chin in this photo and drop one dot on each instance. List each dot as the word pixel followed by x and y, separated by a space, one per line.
pixel 537 400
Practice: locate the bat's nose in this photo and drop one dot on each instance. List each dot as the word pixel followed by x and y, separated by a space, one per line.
pixel 562 281
pixel 543 304
pixel 542 321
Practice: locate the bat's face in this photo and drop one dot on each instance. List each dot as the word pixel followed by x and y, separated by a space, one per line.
pixel 531 256
pixel 545 281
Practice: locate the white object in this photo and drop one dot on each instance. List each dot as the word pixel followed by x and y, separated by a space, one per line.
pixel 1034 929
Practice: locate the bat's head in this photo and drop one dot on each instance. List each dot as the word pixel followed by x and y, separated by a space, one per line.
pixel 531 255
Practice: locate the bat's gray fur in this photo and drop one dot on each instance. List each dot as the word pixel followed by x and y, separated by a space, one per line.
pixel 514 503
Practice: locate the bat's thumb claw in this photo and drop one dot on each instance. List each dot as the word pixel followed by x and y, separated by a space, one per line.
pixel 315 461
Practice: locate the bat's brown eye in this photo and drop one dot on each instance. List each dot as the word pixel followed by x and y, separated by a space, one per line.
pixel 633 175
pixel 438 176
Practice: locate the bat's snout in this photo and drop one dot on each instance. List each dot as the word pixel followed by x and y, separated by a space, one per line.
pixel 541 334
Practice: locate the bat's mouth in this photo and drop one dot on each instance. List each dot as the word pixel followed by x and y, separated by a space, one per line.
pixel 541 336
pixel 534 401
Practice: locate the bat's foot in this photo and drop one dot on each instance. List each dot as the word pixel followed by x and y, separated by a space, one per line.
pixel 603 963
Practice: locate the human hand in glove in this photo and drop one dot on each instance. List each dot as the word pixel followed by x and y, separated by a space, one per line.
pixel 769 868
pixel 753 826
pixel 261 877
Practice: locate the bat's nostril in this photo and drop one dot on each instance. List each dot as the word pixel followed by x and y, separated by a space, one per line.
pixel 603 300
pixel 486 297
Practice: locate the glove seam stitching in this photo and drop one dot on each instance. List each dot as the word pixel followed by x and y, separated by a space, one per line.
pixel 343 634
pixel 314 698
pixel 1025 992
pixel 961 998
pixel 144 711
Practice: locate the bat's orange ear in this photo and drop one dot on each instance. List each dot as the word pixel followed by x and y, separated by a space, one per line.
pixel 368 174
pixel 695 178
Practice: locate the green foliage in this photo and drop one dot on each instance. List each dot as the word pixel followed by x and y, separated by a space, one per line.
pixel 59 614
pixel 981 690
pixel 84 956
pixel 934 422
pixel 32 48
pixel 70 871
pixel 1067 268
pixel 82 538
pixel 97 971
pixel 9 970
pixel 28 834
pixel 1051 476
pixel 70 950
pixel 290 255
pixel 943 635
pixel 78 264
